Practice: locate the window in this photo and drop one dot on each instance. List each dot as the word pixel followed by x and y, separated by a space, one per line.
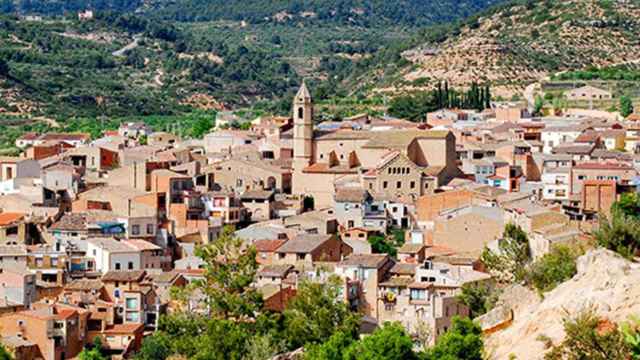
pixel 130 265
pixel 116 293
pixel 300 113
pixel 418 294
pixel 149 228
pixel 385 184
pixel 117 266
pixel 412 184
pixel 54 261
pixel 135 230
pixel 132 317
pixel 131 303
pixel 398 184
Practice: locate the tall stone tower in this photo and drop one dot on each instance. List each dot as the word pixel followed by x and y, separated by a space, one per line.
pixel 302 130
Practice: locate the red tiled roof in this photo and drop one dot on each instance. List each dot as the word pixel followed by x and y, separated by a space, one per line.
pixel 587 136
pixel 66 313
pixel 268 245
pixel 325 168
pixel 8 218
pixel 603 166
pixel 62 136
pixel 190 271
pixel 435 250
pixel 129 328
pixel 142 245
pixel 29 136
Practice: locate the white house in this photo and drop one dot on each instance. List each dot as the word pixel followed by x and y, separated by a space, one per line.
pixel 556 184
pixel 111 254
pixel 552 136
pixel 588 93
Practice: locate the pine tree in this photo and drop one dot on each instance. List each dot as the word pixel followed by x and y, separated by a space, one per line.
pixel 487 100
pixel 448 95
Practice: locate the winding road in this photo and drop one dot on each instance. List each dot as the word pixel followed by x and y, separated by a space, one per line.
pixel 132 45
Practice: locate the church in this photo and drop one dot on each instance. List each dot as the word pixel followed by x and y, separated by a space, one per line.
pixel 405 162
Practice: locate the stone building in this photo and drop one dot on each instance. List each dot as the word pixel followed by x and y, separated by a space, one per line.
pixel 321 157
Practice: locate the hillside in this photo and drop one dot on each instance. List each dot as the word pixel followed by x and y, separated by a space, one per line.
pixel 519 43
pixel 606 283
pixel 127 61
pixel 123 65
pixel 362 12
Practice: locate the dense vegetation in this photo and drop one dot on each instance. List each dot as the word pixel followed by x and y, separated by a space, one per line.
pixel 316 318
pixel 512 263
pixel 371 12
pixel 416 106
pixel 621 232
pixel 623 72
pixel 590 337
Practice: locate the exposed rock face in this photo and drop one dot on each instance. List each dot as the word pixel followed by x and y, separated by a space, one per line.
pixel 605 281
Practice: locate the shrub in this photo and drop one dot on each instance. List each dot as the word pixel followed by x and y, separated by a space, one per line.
pixel 589 337
pixel 479 298
pixel 553 268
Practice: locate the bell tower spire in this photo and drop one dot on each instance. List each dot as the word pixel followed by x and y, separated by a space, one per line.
pixel 302 130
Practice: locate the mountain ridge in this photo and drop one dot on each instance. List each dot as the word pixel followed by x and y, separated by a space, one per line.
pixel 362 12
pixel 525 41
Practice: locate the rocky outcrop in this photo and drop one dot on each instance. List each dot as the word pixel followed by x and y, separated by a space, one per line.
pixel 605 282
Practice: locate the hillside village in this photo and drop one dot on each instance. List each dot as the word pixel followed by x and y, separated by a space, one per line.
pixel 96 235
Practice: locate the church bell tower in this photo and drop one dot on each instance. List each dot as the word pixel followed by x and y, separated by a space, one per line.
pixel 302 129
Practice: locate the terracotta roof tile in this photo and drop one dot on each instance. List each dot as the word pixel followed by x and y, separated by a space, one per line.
pixel 8 218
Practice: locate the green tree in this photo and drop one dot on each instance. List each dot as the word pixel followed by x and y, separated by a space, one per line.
pixel 628 205
pixel 509 263
pixel 587 338
pixel 631 332
pixel 4 68
pixel 462 342
pixel 143 140
pixel 201 127
pixel 538 105
pixel 380 245
pixel 479 298
pixel 553 268
pixel 4 354
pixel 93 353
pixel 316 312
pixel 155 347
pixel 626 106
pixel 390 342
pixel 332 349
pixel 230 268
pixel 262 347
pixel 620 234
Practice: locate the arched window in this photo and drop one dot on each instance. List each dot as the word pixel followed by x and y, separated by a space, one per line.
pixel 300 113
